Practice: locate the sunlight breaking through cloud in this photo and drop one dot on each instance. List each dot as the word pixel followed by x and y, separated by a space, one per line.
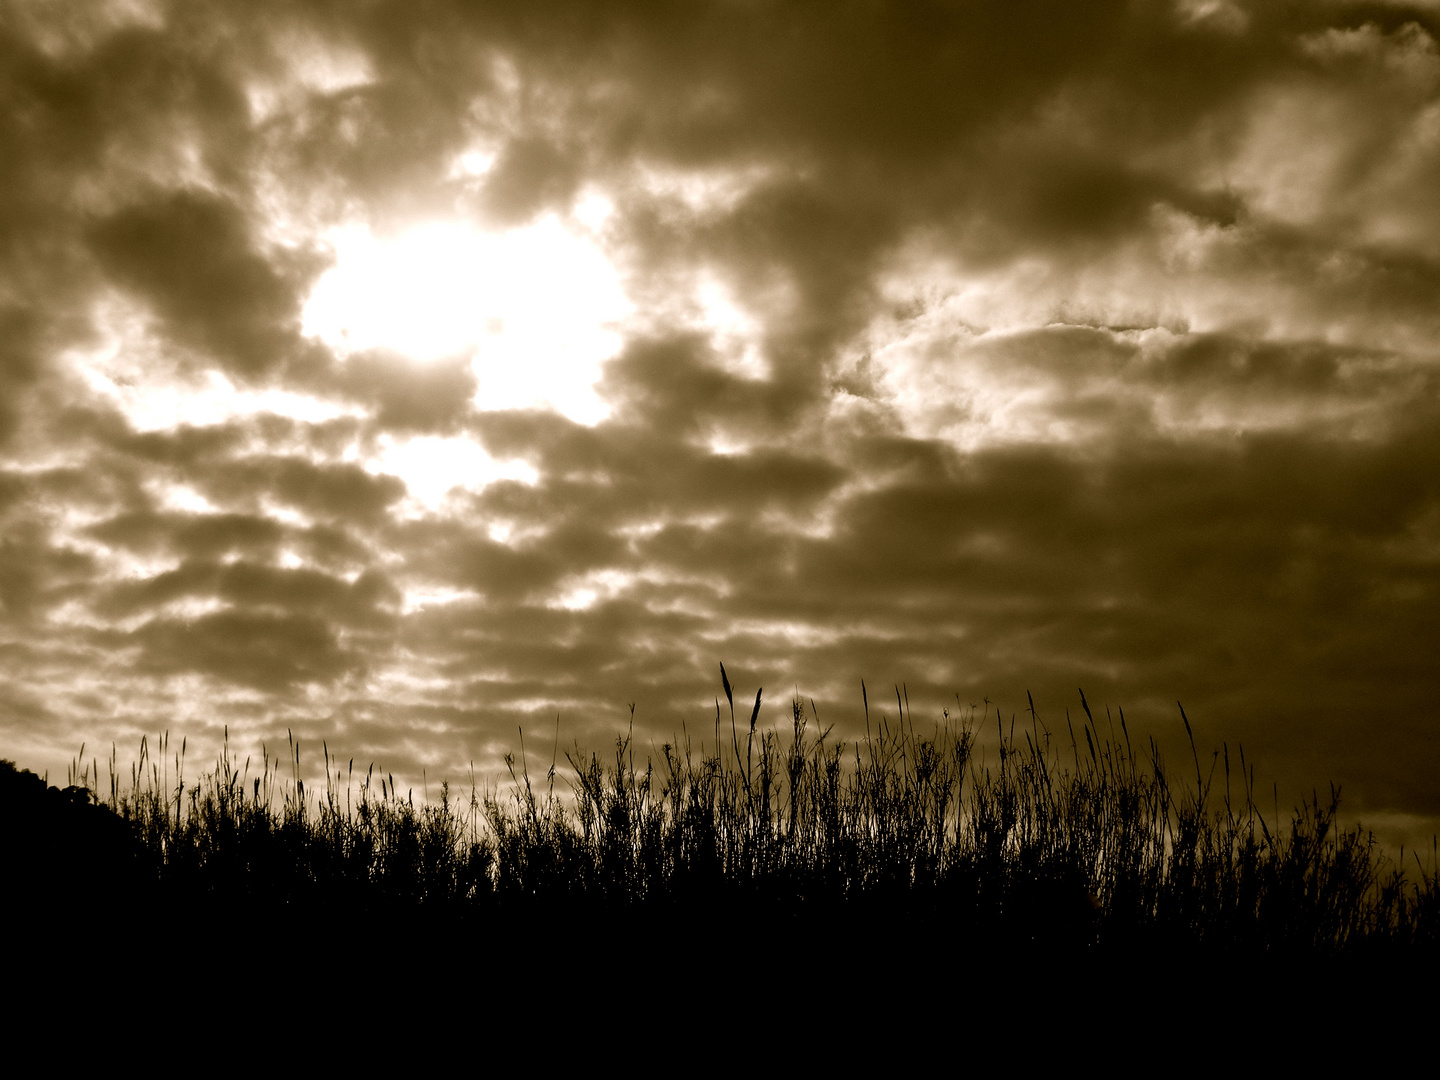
pixel 433 467
pixel 537 307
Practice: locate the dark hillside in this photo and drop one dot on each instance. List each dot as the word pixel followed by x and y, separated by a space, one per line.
pixel 64 856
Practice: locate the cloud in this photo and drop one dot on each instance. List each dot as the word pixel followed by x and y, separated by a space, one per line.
pixel 530 175
pixel 20 362
pixel 404 396
pixel 974 347
pixel 264 651
pixel 190 257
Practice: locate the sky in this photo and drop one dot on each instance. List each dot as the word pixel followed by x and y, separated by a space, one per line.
pixel 407 376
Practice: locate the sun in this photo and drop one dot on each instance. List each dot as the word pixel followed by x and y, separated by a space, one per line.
pixel 537 308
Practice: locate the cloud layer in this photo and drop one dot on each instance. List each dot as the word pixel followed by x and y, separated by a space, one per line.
pixel 974 347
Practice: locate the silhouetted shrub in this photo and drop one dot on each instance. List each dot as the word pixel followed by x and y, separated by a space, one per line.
pixel 56 846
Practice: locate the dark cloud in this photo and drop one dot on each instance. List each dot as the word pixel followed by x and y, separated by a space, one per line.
pixel 20 362
pixel 265 651
pixel 339 492
pixel 211 535
pixel 404 397
pixel 34 572
pixel 531 175
pixel 190 257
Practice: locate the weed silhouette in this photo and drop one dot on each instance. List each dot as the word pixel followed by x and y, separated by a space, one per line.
pixel 1094 851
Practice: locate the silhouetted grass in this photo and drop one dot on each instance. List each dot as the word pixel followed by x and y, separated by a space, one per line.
pixel 1076 845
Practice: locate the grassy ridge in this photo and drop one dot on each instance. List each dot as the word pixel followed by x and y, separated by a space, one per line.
pixel 1083 843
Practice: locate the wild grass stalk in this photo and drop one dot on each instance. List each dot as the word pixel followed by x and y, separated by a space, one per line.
pixel 1085 842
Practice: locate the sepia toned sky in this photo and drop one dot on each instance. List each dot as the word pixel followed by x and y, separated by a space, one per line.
pixel 403 374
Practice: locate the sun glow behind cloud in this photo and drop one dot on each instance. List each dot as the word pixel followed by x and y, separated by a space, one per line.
pixel 537 307
pixel 433 467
